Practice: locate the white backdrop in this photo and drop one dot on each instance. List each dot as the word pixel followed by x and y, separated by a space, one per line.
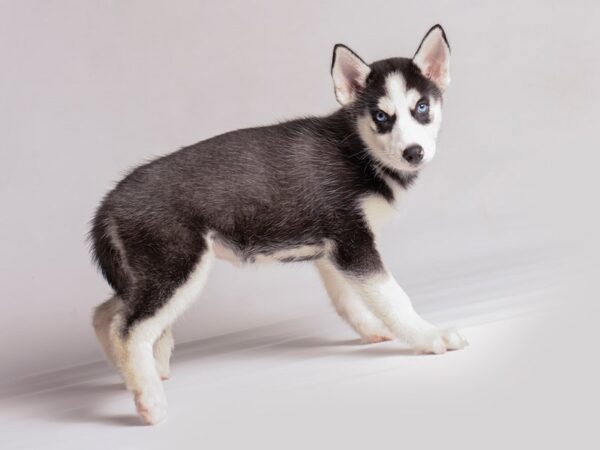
pixel 90 89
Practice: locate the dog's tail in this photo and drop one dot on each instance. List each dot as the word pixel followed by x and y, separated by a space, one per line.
pixel 106 252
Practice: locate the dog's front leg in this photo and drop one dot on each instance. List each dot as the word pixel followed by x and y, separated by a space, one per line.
pixel 361 266
pixel 388 301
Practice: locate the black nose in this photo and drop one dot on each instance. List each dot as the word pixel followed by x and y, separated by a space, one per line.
pixel 413 154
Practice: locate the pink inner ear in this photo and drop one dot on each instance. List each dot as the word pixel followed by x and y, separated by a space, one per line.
pixel 356 79
pixel 351 69
pixel 433 60
pixel 349 75
pixel 434 69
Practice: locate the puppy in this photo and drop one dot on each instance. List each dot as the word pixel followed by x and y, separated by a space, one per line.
pixel 314 189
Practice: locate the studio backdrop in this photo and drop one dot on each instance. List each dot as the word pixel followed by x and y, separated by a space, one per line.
pixel 88 90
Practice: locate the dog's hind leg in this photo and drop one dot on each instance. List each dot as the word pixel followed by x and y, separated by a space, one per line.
pixel 163 348
pixel 135 331
pixel 103 317
pixel 350 306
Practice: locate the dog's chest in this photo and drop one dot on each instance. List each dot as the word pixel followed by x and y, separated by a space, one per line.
pixel 377 210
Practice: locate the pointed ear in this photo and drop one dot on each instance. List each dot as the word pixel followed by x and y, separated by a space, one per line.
pixel 433 57
pixel 349 74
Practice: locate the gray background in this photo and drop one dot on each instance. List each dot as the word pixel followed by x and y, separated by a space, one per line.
pixel 90 89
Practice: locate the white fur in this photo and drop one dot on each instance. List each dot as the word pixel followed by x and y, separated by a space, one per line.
pixel 388 147
pixel 135 353
pixel 377 210
pixel 163 348
pixel 350 306
pixel 226 253
pixel 103 316
pixel 388 302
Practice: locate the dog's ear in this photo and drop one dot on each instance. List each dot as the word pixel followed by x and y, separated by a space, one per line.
pixel 349 74
pixel 433 57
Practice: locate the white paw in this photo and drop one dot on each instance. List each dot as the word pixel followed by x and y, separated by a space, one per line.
pixel 439 341
pixel 151 404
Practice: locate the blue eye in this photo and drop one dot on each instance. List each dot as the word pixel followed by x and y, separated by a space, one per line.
pixel 422 107
pixel 381 117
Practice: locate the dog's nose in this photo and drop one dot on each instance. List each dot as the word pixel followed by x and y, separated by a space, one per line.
pixel 413 154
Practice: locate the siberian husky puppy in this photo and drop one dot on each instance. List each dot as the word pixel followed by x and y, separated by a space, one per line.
pixel 314 189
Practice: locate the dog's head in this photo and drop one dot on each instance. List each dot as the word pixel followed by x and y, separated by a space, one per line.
pixel 396 102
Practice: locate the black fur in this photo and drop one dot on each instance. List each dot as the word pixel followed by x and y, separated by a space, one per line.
pixel 256 190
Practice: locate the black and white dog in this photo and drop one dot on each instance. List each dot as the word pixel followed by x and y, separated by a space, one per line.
pixel 313 189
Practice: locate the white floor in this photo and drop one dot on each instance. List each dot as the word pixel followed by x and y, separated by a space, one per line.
pixel 524 382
